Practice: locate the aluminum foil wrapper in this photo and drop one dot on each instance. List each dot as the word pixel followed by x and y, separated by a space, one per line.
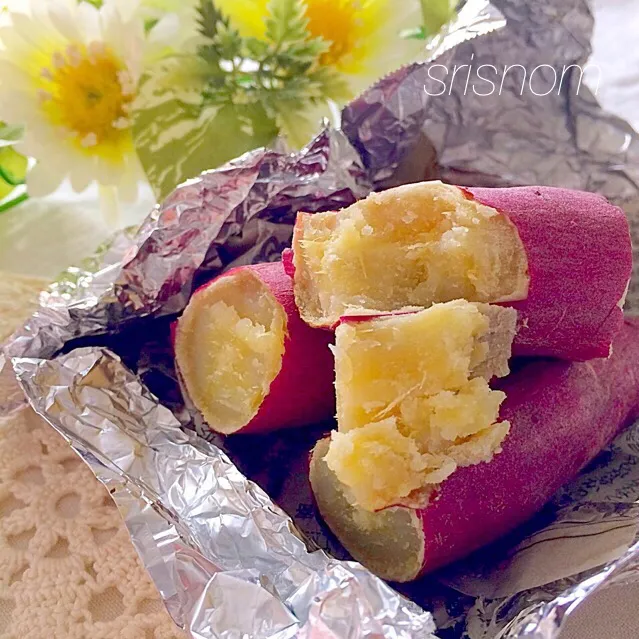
pixel 226 560
pixel 96 362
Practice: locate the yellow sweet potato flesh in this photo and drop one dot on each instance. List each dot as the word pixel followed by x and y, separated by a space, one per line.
pixel 407 247
pixel 229 346
pixel 413 400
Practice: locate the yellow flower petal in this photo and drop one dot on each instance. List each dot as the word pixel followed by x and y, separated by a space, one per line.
pixel 247 16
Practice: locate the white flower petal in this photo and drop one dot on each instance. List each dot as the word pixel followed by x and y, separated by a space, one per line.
pixel 112 28
pixel 108 173
pixel 49 147
pixel 166 35
pixel 63 19
pixel 39 9
pixel 14 78
pixel 126 8
pixel 126 39
pixel 165 30
pixel 13 44
pixel 88 18
pixel 404 15
pixel 20 107
pixel 12 6
pixel 37 139
pixel 132 53
pixel 128 187
pixel 38 35
pixel 44 178
pixel 82 173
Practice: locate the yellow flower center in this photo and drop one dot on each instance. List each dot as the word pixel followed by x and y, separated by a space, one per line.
pixel 336 21
pixel 88 92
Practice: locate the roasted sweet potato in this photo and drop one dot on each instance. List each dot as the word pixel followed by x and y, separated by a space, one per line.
pixel 561 415
pixel 247 361
pixel 413 400
pixel 562 258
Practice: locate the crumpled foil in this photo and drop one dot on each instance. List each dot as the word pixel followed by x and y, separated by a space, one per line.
pixel 95 361
pixel 227 561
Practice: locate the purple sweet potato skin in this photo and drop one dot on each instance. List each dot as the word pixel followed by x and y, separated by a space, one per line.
pixel 562 414
pixel 579 263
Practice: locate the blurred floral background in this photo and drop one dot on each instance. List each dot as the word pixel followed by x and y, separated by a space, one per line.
pixel 123 92
pixel 106 105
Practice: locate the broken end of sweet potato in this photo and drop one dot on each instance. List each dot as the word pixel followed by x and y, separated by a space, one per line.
pixel 409 246
pixel 413 399
pixel 229 345
pixel 308 293
pixel 390 542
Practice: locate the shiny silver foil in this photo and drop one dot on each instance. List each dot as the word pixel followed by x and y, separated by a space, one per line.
pixel 95 360
pixel 227 561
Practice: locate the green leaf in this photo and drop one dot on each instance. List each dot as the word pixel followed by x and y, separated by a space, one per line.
pixel 196 112
pixel 149 24
pixel 223 40
pixel 10 134
pixel 13 169
pixel 414 33
pixel 209 19
pixel 286 21
pixel 255 49
pixel 5 205
pixel 297 128
pixel 13 165
pixel 229 42
pixel 178 135
pixel 435 14
pixel 217 135
pixel 330 84
pixel 210 54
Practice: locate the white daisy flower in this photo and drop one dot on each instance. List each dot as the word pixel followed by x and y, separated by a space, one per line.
pixel 69 72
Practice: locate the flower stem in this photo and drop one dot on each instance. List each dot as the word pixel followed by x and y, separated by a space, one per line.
pixel 110 206
pixel 11 203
